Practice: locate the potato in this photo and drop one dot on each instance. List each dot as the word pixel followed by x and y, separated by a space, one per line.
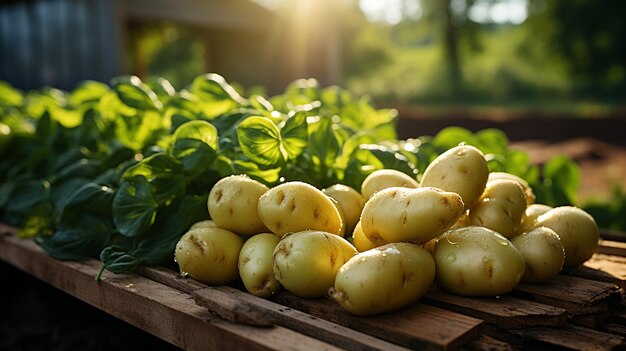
pixel 297 206
pixel 306 262
pixel 385 178
pixel 462 170
pixel 577 230
pixel 350 203
pixel 500 208
pixel 207 223
pixel 209 255
pixel 529 221
pixel 359 240
pixel 528 191
pixel 463 221
pixel 543 253
pixel 233 203
pixel 255 265
pixel 404 214
pixel 476 261
pixel 383 279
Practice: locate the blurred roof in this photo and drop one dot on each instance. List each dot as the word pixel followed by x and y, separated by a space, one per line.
pixel 231 14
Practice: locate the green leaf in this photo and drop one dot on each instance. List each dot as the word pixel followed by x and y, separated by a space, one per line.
pixel 134 207
pixel 216 95
pixel 77 243
pixel 87 92
pixel 163 172
pixel 323 143
pixel 453 136
pixel 28 194
pixel 195 145
pixel 266 176
pixel 9 96
pixel 492 141
pixel 138 131
pixel 295 135
pixel 260 141
pixel 561 176
pixel 134 93
pixel 90 198
pixel 117 260
pixel 157 245
pixel 161 86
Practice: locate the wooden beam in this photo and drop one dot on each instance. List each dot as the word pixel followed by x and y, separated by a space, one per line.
pixel 165 312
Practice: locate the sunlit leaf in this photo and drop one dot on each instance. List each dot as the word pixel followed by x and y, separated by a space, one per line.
pixel 134 93
pixel 215 94
pixel 195 145
pixel 9 96
pixel 260 141
pixel 295 135
pixel 163 172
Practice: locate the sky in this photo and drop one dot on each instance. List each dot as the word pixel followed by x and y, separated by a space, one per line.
pixel 393 11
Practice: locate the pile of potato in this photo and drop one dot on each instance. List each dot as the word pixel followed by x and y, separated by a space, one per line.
pixel 477 233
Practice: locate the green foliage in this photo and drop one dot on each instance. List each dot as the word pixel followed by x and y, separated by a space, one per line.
pixel 128 181
pixel 610 215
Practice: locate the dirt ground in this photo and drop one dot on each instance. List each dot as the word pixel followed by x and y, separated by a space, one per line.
pixel 603 165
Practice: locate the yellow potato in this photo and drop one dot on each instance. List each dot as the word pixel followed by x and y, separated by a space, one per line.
pixel 404 214
pixel 209 255
pixel 297 206
pixel 385 178
pixel 463 221
pixel 306 262
pixel 255 265
pixel 500 208
pixel 528 191
pixel 350 203
pixel 577 230
pixel 360 241
pixel 529 221
pixel 383 279
pixel 233 203
pixel 476 261
pixel 543 253
pixel 462 170
pixel 207 223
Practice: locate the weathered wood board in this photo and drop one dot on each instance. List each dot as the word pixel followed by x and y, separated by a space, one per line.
pixel 581 309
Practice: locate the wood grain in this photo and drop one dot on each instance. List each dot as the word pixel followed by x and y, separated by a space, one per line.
pixel 505 311
pixel 577 295
pixel 268 312
pixel 160 310
pixel 419 326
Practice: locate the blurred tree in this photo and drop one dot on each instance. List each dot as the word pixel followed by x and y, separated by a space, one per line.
pixel 590 35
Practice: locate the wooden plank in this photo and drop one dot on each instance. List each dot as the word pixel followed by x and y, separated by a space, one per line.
pixel 604 268
pixel 505 311
pixel 419 326
pixel 612 235
pixel 615 328
pixel 572 338
pixel 609 247
pixel 487 343
pixel 612 265
pixel 270 312
pixel 160 310
pixel 577 295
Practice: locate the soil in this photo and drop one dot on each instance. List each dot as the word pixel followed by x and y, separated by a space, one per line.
pixel 602 165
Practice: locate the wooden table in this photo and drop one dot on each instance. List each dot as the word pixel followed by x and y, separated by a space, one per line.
pixel 581 309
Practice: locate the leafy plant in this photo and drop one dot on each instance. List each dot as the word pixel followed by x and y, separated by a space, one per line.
pixel 120 172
